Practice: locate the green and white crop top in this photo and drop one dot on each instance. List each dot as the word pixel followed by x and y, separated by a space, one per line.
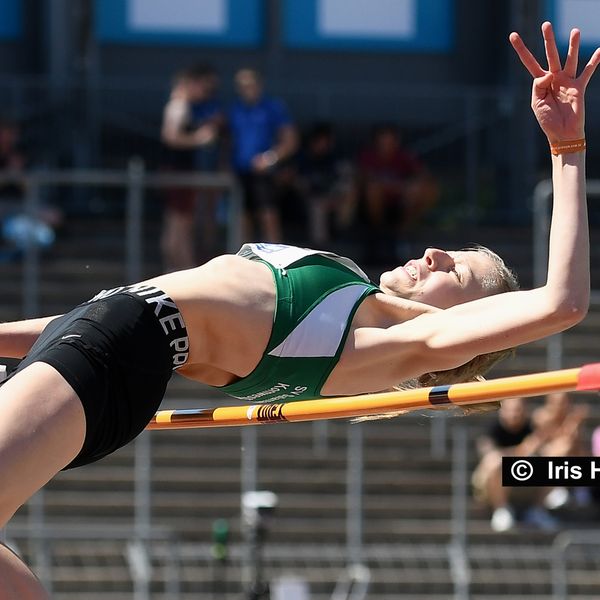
pixel 318 294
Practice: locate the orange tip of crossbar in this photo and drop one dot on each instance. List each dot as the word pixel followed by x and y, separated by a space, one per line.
pixel 589 378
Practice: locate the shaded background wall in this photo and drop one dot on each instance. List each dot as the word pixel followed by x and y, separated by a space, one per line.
pixel 463 106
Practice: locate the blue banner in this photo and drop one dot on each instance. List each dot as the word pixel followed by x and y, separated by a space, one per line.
pixel 11 19
pixel 181 22
pixel 412 25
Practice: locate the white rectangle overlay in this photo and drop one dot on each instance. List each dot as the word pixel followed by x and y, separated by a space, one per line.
pixel 583 14
pixel 178 16
pixel 367 18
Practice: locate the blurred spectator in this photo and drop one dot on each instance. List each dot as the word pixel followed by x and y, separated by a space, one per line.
pixel 12 159
pixel 559 422
pixel 395 188
pixel 262 136
pixel 192 119
pixel 325 181
pixel 16 227
pixel 595 491
pixel 511 434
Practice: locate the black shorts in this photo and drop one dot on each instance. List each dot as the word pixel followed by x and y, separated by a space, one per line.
pixel 258 191
pixel 117 352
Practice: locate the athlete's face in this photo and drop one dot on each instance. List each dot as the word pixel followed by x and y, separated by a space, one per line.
pixel 440 278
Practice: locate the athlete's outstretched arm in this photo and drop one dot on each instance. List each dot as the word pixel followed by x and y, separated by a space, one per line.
pixel 454 336
pixel 17 337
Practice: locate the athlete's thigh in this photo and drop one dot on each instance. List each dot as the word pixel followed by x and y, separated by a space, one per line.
pixel 42 428
pixel 17 582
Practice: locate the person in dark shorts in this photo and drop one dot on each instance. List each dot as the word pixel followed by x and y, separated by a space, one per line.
pixel 263 136
pixel 91 379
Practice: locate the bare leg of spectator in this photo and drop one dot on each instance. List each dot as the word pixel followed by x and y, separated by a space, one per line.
pixel 420 196
pixel 178 241
pixel 345 209
pixel 208 215
pixel 488 479
pixel 267 212
pixel 318 211
pixel 374 199
pixel 270 224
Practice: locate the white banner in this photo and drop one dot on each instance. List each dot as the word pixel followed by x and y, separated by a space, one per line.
pixel 583 14
pixel 178 16
pixel 367 18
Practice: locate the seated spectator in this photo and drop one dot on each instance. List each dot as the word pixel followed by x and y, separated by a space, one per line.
pixel 325 182
pixel 559 422
pixel 395 188
pixel 510 434
pixel 17 229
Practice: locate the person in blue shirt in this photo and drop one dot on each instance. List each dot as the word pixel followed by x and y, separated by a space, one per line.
pixel 262 136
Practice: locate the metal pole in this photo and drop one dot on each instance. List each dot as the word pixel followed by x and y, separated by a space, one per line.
pixel 248 479
pixel 38 540
pixel 524 17
pixel 31 266
pixel 354 485
pixel 249 462
pixel 459 561
pixel 472 155
pixel 172 568
pixel 135 209
pixel 141 570
pixel 438 435
pixel 320 430
pixel 559 567
pixel 143 449
pixel 541 227
pixel 235 218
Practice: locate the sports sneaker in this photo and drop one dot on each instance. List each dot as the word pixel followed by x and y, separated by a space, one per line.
pixel 556 498
pixel 539 517
pixel 503 519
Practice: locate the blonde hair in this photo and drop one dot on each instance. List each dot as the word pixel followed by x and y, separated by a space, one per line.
pixel 499 280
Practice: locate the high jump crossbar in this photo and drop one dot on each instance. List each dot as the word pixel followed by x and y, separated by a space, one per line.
pixel 585 378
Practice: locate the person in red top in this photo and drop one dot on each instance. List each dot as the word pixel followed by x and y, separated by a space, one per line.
pixel 395 186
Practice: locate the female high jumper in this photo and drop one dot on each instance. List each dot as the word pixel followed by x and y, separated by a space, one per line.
pixel 279 323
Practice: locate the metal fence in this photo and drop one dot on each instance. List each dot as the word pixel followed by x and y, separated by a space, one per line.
pixel 135 181
pixel 459 130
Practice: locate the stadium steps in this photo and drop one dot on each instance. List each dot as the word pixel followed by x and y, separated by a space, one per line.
pixel 514 570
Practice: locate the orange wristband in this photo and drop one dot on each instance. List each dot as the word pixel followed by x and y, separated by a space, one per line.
pixel 567 147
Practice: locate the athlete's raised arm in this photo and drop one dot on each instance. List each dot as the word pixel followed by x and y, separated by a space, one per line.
pixel 452 337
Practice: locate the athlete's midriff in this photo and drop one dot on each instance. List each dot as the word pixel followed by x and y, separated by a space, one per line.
pixel 227 305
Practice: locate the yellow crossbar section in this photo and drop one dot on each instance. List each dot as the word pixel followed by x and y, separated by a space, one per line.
pixel 579 379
